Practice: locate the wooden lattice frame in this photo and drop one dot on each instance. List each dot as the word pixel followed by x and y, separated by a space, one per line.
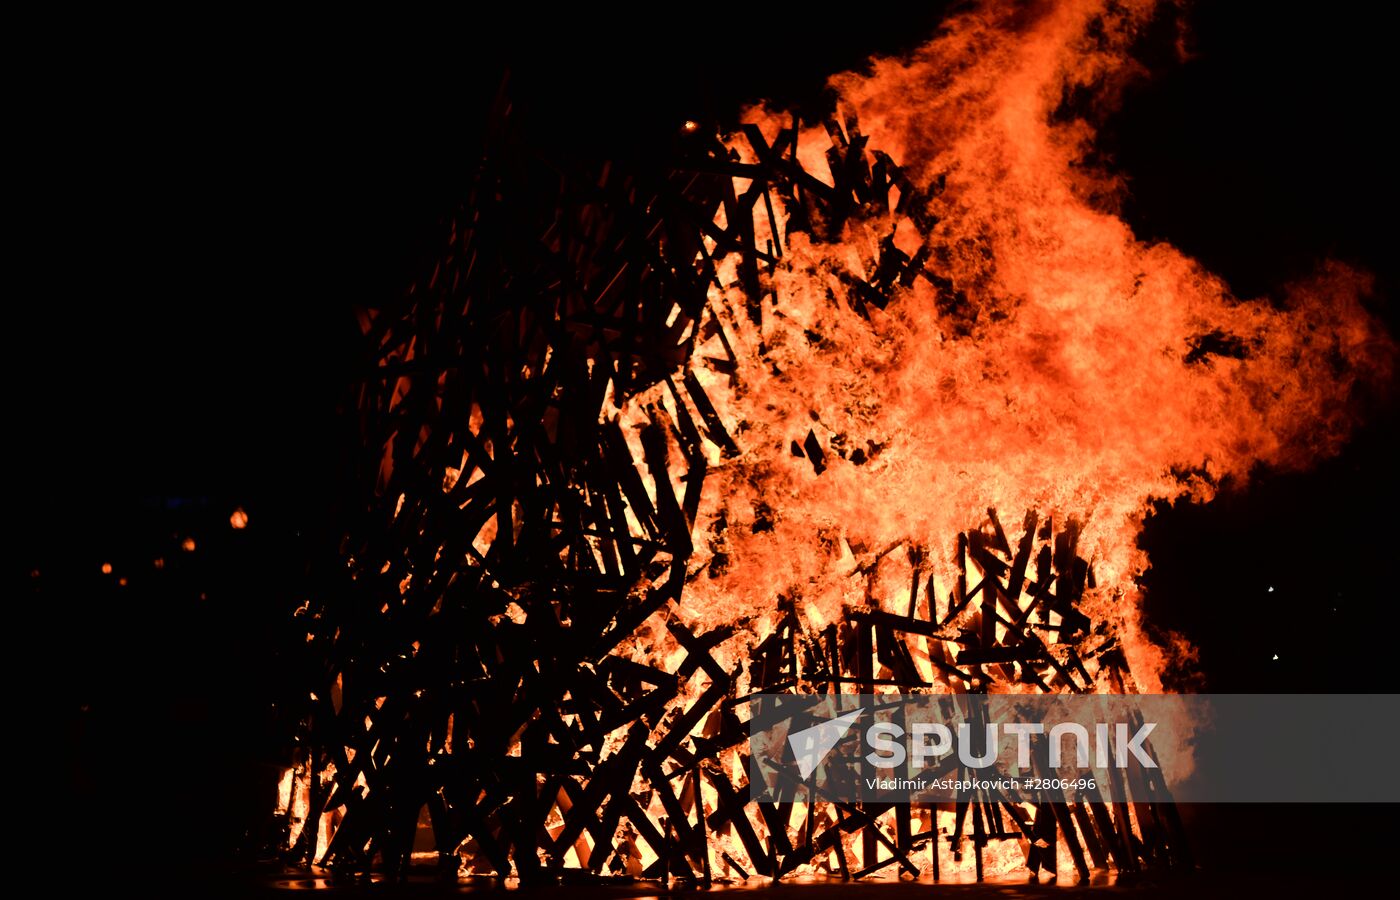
pixel 559 286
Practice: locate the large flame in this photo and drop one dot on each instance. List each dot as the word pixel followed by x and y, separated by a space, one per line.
pixel 1045 359
pixel 1066 367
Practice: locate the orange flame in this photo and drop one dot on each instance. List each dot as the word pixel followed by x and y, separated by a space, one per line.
pixel 1054 363
pixel 1067 367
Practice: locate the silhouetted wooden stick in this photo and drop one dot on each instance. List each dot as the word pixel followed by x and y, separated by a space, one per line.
pixel 1091 837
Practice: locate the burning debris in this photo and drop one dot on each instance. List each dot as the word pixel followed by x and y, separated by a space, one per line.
pixel 673 436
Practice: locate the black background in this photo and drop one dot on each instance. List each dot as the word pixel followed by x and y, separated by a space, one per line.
pixel 210 211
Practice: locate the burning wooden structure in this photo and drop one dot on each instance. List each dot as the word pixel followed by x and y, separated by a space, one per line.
pixel 792 410
pixel 516 539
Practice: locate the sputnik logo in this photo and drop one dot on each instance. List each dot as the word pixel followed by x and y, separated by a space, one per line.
pixel 811 745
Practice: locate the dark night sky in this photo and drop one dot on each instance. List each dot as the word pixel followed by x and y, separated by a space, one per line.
pixel 223 205
pixel 211 213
